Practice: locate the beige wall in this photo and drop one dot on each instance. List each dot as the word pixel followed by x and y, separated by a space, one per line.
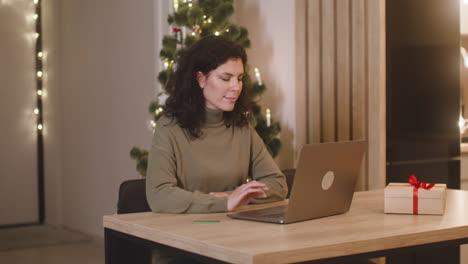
pixel 102 77
pixel 52 108
pixel 278 33
pixel 346 79
pixel 272 32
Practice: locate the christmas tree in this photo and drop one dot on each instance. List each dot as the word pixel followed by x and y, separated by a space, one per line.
pixel 191 21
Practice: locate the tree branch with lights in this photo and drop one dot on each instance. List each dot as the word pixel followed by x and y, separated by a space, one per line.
pixel 191 21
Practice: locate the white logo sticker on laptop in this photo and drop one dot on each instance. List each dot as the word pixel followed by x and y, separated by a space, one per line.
pixel 327 180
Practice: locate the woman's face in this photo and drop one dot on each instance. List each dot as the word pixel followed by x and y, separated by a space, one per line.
pixel 223 85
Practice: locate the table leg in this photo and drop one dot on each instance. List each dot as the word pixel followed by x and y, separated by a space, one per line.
pixel 446 255
pixel 121 248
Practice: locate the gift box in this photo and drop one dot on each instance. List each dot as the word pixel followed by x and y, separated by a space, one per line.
pixel 415 198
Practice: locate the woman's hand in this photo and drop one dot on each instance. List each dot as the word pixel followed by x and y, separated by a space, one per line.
pixel 242 194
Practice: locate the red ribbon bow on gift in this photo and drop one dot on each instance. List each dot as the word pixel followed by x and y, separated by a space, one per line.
pixel 414 182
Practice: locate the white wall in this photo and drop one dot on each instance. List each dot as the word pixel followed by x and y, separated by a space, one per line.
pixel 105 67
pixel 272 32
pixel 18 140
pixel 464 16
pixel 52 108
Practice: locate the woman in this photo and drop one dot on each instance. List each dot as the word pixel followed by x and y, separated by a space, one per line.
pixel 204 149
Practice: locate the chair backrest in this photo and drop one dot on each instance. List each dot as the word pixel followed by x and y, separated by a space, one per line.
pixel 132 197
pixel 132 194
pixel 289 173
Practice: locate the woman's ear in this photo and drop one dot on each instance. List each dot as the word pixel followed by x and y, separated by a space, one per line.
pixel 201 79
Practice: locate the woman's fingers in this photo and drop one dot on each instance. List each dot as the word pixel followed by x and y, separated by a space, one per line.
pixel 253 184
pixel 244 193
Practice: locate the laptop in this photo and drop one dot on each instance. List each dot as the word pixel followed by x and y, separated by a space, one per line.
pixel 323 185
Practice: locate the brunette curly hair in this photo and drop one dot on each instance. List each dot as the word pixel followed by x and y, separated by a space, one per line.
pixel 186 103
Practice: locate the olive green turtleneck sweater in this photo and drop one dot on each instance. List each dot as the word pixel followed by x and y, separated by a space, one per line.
pixel 181 171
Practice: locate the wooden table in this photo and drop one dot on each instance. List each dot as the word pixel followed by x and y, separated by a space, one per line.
pixel 365 229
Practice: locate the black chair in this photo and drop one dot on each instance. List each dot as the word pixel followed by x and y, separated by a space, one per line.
pixel 289 173
pixel 132 197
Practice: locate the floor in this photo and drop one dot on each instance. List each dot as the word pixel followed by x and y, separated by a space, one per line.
pixel 91 251
pixel 43 244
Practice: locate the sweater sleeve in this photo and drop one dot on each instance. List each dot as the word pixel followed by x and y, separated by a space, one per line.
pixel 264 169
pixel 162 190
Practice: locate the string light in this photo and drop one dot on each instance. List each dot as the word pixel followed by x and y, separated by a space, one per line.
pixel 153 124
pixel 38 110
pixel 157 111
pixel 227 30
pixel 209 20
pixel 464 56
pixel 193 33
pixel 216 33
pixel 190 5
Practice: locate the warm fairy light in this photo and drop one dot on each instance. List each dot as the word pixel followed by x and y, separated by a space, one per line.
pixel 36 35
pixel 153 124
pixel 39 127
pixel 216 33
pixel 36 2
pixel 204 16
pixel 209 20
pixel 257 76
pixel 157 111
pixel 227 30
pixel 166 65
pixel 190 5
pixel 35 16
pixel 193 33
pixel 40 54
pixel 464 56
pixel 268 117
pixel 36 111
pixel 39 74
pixel 462 124
pixel 39 92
